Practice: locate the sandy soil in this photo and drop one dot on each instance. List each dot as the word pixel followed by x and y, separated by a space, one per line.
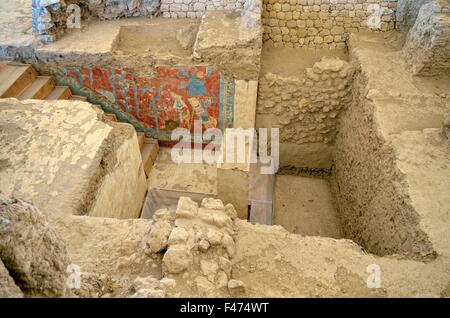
pixel 167 36
pixel 289 61
pixel 305 206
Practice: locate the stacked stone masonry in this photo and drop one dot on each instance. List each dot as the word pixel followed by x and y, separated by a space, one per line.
pixel 323 23
pixel 307 107
pixel 196 8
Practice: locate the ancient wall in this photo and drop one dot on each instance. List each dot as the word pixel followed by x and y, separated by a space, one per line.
pixel 174 98
pixel 427 47
pixel 323 23
pixel 407 11
pixel 305 108
pixel 65 149
pixel 50 16
pixel 196 8
pixel 387 145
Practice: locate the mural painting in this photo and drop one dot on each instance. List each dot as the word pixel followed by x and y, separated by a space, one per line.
pixel 174 97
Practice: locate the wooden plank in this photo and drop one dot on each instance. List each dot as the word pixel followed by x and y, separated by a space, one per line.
pixel 147 161
pixel 78 97
pixel 39 89
pixel 155 147
pixel 59 93
pixel 141 139
pixel 14 79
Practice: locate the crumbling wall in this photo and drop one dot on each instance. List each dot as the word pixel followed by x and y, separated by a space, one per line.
pixel 32 252
pixel 407 11
pixel 370 192
pixel 8 288
pixel 427 47
pixel 113 9
pixel 196 8
pixel 323 23
pixel 305 108
pixel 48 19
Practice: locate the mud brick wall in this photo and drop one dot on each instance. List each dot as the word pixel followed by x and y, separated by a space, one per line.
pixel 196 8
pixel 321 23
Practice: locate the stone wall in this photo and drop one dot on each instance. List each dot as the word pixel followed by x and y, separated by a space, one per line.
pixel 196 8
pixel 113 9
pixel 407 11
pixel 322 23
pixel 305 108
pixel 427 47
pixel 48 19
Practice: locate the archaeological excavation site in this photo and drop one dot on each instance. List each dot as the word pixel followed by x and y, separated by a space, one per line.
pixel 225 149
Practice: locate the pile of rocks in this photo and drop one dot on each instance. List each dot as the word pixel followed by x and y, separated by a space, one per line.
pixel 427 47
pixel 113 9
pixel 199 242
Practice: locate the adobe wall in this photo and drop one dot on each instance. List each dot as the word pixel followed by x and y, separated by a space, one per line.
pixel 65 150
pixel 388 143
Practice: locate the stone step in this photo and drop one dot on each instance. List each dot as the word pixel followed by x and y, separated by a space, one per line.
pixel 60 92
pixel 39 89
pixel 14 78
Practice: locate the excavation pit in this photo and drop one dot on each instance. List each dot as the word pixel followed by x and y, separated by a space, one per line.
pixel 364 161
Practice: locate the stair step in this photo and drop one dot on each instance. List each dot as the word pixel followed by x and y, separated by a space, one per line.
pixel 149 153
pixel 39 89
pixel 60 92
pixel 14 78
pixel 141 139
pixel 78 97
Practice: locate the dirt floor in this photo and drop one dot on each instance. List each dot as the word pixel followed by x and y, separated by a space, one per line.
pixel 305 206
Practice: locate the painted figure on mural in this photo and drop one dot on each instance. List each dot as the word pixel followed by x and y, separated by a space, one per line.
pixel 198 97
pixel 174 97
pixel 184 114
